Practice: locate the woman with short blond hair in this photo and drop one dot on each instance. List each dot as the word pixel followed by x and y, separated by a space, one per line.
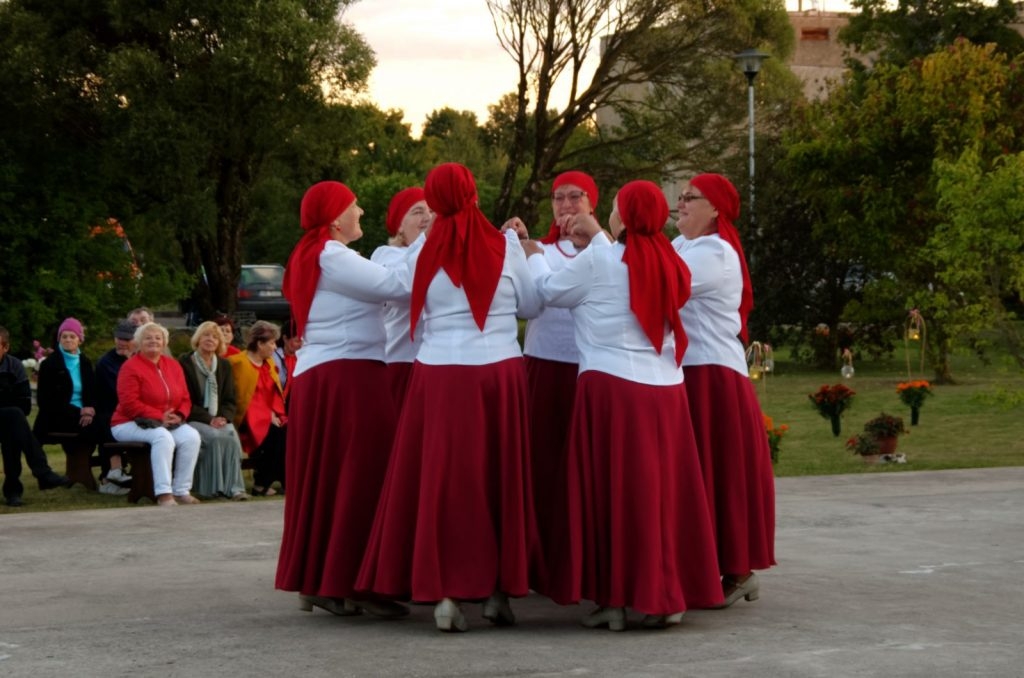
pixel 211 387
pixel 153 404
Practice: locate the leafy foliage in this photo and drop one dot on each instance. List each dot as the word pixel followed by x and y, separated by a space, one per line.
pixel 913 29
pixel 185 122
pixel 665 80
pixel 867 162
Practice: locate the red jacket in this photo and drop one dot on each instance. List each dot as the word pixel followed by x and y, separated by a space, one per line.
pixel 147 389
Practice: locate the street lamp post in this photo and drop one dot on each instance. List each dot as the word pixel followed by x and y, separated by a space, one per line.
pixel 749 61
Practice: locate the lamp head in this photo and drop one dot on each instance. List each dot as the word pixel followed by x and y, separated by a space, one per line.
pixel 749 61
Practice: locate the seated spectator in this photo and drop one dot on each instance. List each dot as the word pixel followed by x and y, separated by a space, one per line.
pixel 16 436
pixel 260 417
pixel 107 369
pixel 66 396
pixel 285 358
pixel 227 330
pixel 140 316
pixel 152 405
pixel 211 387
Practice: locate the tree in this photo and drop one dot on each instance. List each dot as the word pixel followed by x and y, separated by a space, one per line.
pixel 913 29
pixel 663 69
pixel 183 121
pixel 205 99
pixel 866 160
pixel 54 179
pixel 979 248
pixel 805 276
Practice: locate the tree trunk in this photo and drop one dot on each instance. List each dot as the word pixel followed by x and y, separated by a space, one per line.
pixel 504 204
pixel 941 360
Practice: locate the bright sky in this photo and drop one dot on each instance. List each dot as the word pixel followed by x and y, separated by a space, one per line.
pixel 432 54
pixel 437 53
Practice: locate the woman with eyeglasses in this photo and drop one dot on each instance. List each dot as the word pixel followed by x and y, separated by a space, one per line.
pixel 638 527
pixel 727 419
pixel 552 366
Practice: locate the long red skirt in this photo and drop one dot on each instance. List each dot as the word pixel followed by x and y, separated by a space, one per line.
pixel 455 518
pixel 737 466
pixel 552 387
pixel 640 533
pixel 340 428
pixel 399 375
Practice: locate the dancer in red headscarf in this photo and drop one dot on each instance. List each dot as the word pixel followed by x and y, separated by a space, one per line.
pixel 342 416
pixel 552 365
pixel 726 416
pixel 640 532
pixel 455 520
pixel 408 217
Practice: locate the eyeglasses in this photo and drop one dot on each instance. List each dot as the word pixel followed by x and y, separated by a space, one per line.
pixel 573 197
pixel 690 197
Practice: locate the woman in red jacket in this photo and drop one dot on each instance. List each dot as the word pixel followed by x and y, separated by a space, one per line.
pixel 153 403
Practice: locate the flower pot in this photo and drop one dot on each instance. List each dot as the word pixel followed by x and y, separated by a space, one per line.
pixel 836 424
pixel 887 445
pixel 915 414
pixel 871 458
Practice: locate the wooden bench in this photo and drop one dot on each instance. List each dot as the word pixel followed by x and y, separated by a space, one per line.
pixel 79 458
pixel 138 457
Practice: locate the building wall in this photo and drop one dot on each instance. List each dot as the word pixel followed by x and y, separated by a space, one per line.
pixel 818 56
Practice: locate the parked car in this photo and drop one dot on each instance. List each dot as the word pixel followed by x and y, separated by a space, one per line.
pixel 259 291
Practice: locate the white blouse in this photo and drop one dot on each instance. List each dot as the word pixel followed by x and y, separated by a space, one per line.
pixel 711 317
pixel 346 318
pixel 551 335
pixel 595 286
pixel 451 335
pixel 400 347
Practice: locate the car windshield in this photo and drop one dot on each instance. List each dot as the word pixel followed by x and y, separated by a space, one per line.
pixel 269 275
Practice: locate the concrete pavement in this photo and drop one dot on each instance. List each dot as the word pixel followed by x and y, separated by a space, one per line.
pixel 895 574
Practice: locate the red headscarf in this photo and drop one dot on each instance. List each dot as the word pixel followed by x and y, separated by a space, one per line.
pixel 724 197
pixel 462 242
pixel 574 178
pixel 400 206
pixel 659 281
pixel 323 203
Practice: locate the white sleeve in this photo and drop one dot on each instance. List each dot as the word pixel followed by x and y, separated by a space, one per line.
pixel 345 272
pixel 706 261
pixel 528 304
pixel 568 286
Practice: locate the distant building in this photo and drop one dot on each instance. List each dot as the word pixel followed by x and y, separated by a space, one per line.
pixel 818 55
pixel 817 60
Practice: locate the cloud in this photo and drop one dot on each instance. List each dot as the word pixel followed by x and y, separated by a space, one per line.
pixel 432 54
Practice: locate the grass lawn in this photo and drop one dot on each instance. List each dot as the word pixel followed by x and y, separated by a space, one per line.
pixel 976 423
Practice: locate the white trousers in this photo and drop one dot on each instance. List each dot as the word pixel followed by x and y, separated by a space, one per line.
pixel 180 446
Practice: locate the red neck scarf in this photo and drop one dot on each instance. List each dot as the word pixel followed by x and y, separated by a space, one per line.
pixel 723 197
pixel 462 242
pixel 323 203
pixel 659 281
pixel 585 183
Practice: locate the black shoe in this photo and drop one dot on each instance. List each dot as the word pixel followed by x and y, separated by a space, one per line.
pixel 50 480
pixel 15 500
